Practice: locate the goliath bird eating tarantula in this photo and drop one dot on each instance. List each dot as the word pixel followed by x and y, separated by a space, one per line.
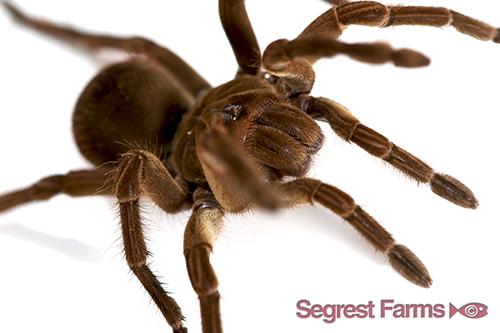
pixel 246 144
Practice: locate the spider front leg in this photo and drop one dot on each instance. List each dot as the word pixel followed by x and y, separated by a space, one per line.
pixel 350 129
pixel 292 60
pixel 140 172
pixel 371 13
pixel 240 34
pixel 305 191
pixel 232 176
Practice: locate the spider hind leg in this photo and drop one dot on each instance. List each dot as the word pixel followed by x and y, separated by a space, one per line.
pixel 74 183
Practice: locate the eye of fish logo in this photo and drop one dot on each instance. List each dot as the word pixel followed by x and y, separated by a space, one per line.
pixel 471 310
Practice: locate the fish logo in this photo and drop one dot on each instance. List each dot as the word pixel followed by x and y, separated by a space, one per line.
pixel 471 310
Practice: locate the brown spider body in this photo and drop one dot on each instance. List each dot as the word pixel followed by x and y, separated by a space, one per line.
pixel 250 108
pixel 247 143
pixel 252 114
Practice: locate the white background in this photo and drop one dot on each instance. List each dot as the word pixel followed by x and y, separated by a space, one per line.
pixel 62 269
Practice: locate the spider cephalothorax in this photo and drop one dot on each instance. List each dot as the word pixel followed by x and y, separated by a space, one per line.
pixel 244 144
pixel 273 132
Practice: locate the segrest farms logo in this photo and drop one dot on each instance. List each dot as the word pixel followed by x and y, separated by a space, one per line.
pixel 330 313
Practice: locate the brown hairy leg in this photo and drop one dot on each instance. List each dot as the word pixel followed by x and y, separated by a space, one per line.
pixel 239 32
pixel 74 183
pixel 199 238
pixel 140 172
pixel 304 191
pixel 350 129
pixel 233 177
pixel 283 57
pixel 188 77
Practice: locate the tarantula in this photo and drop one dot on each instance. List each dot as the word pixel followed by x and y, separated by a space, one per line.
pixel 245 144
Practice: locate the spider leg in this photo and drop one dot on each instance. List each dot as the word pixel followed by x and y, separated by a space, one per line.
pixel 319 39
pixel 304 191
pixel 371 13
pixel 374 14
pixel 232 176
pixel 292 60
pixel 74 183
pixel 199 237
pixel 140 172
pixel 350 129
pixel 240 34
pixel 188 77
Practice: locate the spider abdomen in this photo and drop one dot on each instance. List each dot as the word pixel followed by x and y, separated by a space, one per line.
pixel 111 112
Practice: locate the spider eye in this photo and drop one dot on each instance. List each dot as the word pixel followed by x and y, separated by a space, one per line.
pixel 231 112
